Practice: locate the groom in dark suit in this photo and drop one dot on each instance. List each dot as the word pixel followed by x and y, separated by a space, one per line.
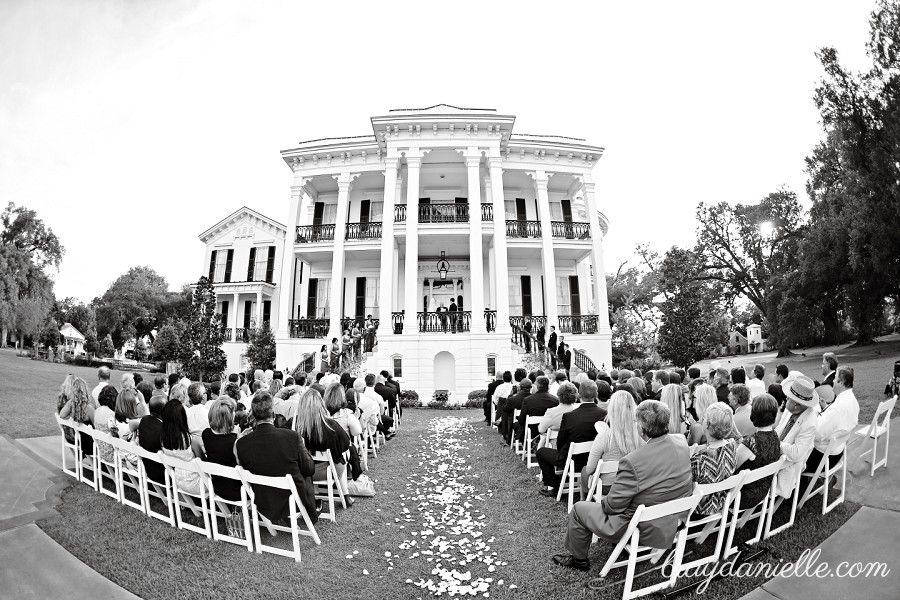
pixel 275 452
pixel 551 346
pixel 576 426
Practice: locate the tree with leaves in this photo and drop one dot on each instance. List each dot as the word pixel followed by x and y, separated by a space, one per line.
pixel 261 348
pixel 167 345
pixel 201 351
pixel 633 316
pixel 107 348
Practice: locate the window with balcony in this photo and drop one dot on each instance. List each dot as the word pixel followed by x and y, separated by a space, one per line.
pixel 563 296
pixel 373 286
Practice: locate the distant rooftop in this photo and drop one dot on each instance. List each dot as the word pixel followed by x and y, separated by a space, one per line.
pixel 441 106
pixel 550 135
pixel 347 137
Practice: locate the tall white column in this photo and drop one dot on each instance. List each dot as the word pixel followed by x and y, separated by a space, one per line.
pixel 584 286
pixel 597 258
pixel 337 262
pixel 259 309
pixel 286 281
pixel 476 258
pixel 386 288
pixel 501 264
pixel 235 326
pixel 411 286
pixel 549 266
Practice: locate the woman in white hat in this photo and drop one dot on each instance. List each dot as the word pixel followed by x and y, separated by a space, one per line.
pixel 796 429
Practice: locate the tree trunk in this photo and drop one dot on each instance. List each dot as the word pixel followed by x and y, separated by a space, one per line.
pixel 782 352
pixel 5 333
pixel 831 324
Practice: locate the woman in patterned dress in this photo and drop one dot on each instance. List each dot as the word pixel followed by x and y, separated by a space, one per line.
pixel 717 460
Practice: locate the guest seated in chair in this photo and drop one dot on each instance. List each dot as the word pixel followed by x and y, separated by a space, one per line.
pixel 176 441
pixel 657 472
pixel 617 436
pixel 321 433
pixel 218 444
pixel 717 460
pixel 535 405
pixel 512 404
pixel 764 446
pixel 796 430
pixel 841 415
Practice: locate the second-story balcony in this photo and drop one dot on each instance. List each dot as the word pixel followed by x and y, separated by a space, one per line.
pixel 571 230
pixel 523 229
pixel 363 231
pixel 315 233
pixel 443 213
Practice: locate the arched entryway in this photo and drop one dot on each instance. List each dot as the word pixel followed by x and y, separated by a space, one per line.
pixel 444 371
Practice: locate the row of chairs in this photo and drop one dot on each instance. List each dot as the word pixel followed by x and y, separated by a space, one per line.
pixel 239 517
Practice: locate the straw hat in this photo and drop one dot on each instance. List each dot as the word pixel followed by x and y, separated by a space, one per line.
pixel 801 390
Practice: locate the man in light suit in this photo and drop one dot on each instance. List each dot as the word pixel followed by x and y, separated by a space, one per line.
pixel 657 472
pixel 796 429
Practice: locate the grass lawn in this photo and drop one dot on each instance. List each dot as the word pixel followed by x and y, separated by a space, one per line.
pixel 523 528
pixel 872 366
pixel 29 393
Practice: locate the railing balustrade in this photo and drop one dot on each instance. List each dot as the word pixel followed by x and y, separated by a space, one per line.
pixel 487 211
pixel 535 320
pixel 397 322
pixel 363 231
pixel 578 324
pixel 360 322
pixel 571 230
pixel 315 233
pixel 490 320
pixel 445 321
pixel 226 331
pixel 308 328
pixel 400 213
pixel 242 334
pixel 443 213
pixel 523 229
pixel 582 361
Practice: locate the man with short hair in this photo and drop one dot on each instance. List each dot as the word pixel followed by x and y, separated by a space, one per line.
pixel 551 346
pixel 103 376
pixel 829 368
pixel 275 452
pixel 565 355
pixel 513 403
pixel 160 387
pixel 558 378
pixel 796 429
pixel 386 391
pixel 489 398
pixel 385 423
pixel 660 380
pixel 738 375
pixel 693 373
pixel 503 391
pixel 840 416
pixel 149 432
pixel 656 472
pixel 174 378
pixel 720 382
pixel 535 405
pixel 756 384
pixel 774 389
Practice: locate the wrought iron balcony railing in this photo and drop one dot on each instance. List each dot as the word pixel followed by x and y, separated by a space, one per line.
pixel 487 211
pixel 363 231
pixel 578 324
pixel 315 233
pixel 445 321
pixel 308 328
pixel 523 229
pixel 571 230
pixel 443 213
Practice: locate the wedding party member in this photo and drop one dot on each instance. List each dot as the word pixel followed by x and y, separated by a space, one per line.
pixel 617 436
pixel 763 444
pixel 176 441
pixel 654 473
pixel 218 445
pixel 275 452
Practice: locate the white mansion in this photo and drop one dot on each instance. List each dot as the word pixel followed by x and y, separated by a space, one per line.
pixel 440 205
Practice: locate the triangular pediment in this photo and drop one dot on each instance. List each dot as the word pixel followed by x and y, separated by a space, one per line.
pixel 244 222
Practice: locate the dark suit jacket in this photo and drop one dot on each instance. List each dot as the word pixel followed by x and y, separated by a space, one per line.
pixel 656 472
pixel 149 432
pixel 514 402
pixel 551 343
pixel 722 393
pixel 534 405
pixel 388 392
pixel 828 380
pixel 492 387
pixel 273 452
pixel 396 385
pixel 577 426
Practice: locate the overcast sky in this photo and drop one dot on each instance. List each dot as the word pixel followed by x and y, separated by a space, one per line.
pixel 131 127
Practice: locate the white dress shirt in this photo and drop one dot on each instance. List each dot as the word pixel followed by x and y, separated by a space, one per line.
pixel 503 390
pixel 197 418
pixel 756 387
pixel 96 391
pixel 370 410
pixel 840 415
pixel 376 397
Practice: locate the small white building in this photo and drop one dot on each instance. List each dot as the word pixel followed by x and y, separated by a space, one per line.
pixel 755 341
pixel 73 340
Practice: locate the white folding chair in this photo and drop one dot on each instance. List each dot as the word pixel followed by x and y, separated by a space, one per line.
pixel 604 467
pixel 761 511
pixel 228 510
pixel 128 475
pixel 75 447
pixel 325 490
pixel 359 442
pixel 106 467
pixel 703 526
pixel 296 511
pixel 824 471
pixel 182 499
pixel 777 501
pixel 160 491
pixel 92 479
pixel 548 439
pixel 529 454
pixel 570 474
pixel 638 553
pixel 493 413
pixel 371 442
pixel 876 430
pixel 517 447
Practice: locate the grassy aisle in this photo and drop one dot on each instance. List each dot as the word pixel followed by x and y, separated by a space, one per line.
pixel 517 526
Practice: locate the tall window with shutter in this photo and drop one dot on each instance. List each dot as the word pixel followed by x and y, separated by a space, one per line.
pixel 373 286
pixel 251 266
pixel 563 297
pixel 267 311
pixel 515 296
pixel 212 266
pixel 229 260
pixel 270 264
pixel 221 259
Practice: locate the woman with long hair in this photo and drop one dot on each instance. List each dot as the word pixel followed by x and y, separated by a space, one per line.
pixel 324 359
pixel 673 398
pixel 218 444
pixel 176 440
pixel 79 405
pixel 336 404
pixel 128 419
pixel 616 437
pixel 179 393
pixel 321 433
pixel 704 397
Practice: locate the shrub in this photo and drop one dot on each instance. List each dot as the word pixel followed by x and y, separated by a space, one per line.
pixel 479 394
pixel 440 398
pixel 475 402
pixel 409 399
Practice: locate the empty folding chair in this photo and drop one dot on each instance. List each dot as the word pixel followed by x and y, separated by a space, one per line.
pixel 88 474
pixel 234 513
pixel 702 526
pixel 761 511
pixel 183 498
pixel 571 477
pixel 604 467
pixel 638 553
pixel 129 473
pixel 297 511
pixel 105 461
pixel 161 490
pixel 331 485
pixel 530 452
pixel 74 447
pixel 876 430
pixel 825 471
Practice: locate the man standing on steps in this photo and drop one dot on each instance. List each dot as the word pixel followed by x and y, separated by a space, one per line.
pixel 551 346
pixel 527 330
pixel 541 333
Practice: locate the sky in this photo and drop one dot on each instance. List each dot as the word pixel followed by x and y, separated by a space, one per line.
pixel 132 127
